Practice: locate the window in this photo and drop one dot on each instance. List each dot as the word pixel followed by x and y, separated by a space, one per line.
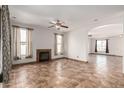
pixel 101 45
pixel 22 43
pixel 58 44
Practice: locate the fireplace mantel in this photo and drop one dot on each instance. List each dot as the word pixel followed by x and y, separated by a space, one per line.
pixel 38 51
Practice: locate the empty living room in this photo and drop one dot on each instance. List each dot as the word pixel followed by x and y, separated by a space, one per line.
pixel 61 46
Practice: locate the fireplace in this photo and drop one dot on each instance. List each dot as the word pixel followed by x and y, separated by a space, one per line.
pixel 43 55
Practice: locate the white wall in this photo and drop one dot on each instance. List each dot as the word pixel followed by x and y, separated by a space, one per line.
pixel 115 45
pixel 123 47
pixel 66 44
pixel 89 45
pixel 123 51
pixel 42 38
pixel 77 45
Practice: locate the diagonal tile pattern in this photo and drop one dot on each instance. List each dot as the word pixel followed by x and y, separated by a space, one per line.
pixel 101 71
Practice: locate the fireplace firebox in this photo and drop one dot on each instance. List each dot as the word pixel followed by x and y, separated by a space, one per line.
pixel 43 55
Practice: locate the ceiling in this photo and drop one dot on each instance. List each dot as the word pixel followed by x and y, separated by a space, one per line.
pixel 76 17
pixel 107 31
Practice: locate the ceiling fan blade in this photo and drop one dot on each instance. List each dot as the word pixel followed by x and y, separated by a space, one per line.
pixel 64 26
pixel 52 22
pixel 51 26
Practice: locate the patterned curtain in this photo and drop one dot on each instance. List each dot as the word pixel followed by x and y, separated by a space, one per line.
pixel 107 49
pixel 16 39
pixel 55 45
pixel 96 46
pixel 6 43
pixel 1 76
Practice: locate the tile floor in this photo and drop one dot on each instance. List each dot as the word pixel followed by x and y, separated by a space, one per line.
pixel 101 71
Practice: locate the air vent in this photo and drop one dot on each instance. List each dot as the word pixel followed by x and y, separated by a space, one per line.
pixel 89 35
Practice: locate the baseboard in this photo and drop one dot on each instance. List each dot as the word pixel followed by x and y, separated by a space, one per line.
pixel 105 54
pixel 54 59
pixel 34 62
pixel 76 60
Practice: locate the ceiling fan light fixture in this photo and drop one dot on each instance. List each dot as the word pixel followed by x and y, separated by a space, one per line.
pixel 57 24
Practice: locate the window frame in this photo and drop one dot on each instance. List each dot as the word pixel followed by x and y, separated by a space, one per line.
pixel 18 42
pixel 102 48
pixel 56 44
pixel 23 42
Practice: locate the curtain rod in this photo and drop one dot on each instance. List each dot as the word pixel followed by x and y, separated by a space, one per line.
pixel 23 27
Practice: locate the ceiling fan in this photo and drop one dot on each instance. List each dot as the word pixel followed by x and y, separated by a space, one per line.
pixel 57 24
